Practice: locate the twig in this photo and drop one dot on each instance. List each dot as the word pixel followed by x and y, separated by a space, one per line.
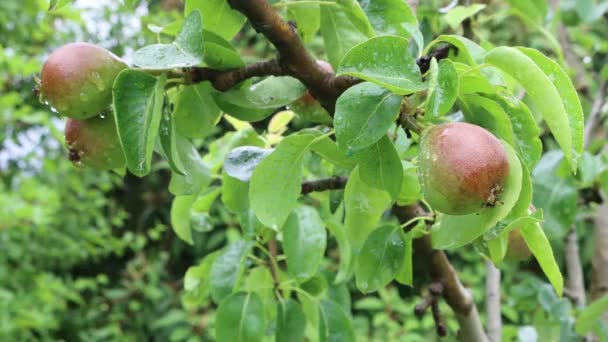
pixel 455 294
pixel 333 183
pixel 594 115
pixel 424 62
pixel 493 302
pixel 576 283
pixel 223 80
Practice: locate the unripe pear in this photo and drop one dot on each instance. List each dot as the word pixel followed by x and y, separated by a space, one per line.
pixel 463 168
pixel 94 142
pixel 77 79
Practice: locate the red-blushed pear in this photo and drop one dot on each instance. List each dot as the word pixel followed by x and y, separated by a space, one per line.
pixel 462 169
pixel 94 142
pixel 77 79
pixel 517 249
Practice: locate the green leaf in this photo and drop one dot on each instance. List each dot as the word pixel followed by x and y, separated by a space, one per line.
pixel 218 17
pixel 168 142
pixel 338 230
pixel 195 112
pixel 572 104
pixel 228 268
pixel 380 258
pixel 334 323
pixel 488 114
pixel 138 100
pixel 385 61
pixel 459 13
pixel 538 243
pixel 391 17
pixel 307 18
pixel 498 248
pixel 219 54
pixel 591 316
pixel 470 227
pixel 410 191
pixel 555 194
pixel 405 273
pixel 276 182
pixel 469 51
pixel 534 10
pixel 241 161
pixel 364 206
pixel 258 101
pixel 196 173
pixel 541 90
pixel 180 216
pixel 443 88
pixel 380 166
pixel 291 321
pixel 339 33
pixel 235 194
pixel 357 16
pixel 304 241
pixel 186 51
pixel 364 113
pixel 197 281
pixel 55 5
pixel 240 318
pixel 329 150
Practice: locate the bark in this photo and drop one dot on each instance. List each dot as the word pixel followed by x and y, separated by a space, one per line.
pixel 576 282
pixel 599 274
pixel 493 302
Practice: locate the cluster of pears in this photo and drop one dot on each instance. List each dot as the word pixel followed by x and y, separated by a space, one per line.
pixel 76 80
pixel 463 169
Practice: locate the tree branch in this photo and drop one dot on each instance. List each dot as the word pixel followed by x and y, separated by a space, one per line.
pixel 493 302
pixel 293 57
pixel 226 79
pixel 333 183
pixel 599 273
pixel 455 294
pixel 594 116
pixel 576 283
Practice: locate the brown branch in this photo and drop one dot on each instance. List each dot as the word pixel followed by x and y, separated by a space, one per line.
pixel 293 57
pixel 574 269
pixel 599 274
pixel 593 120
pixel 223 80
pixel 424 62
pixel 455 294
pixel 493 302
pixel 333 183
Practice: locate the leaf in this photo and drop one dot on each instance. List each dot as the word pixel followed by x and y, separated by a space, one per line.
pixel 219 54
pixel 304 241
pixel 338 230
pixel 364 113
pixel 469 51
pixel 240 318
pixel 235 194
pixel 228 269
pixel 291 321
pixel 541 249
pixel 391 17
pixel 168 142
pixel 534 10
pixel 339 33
pixel 241 161
pixel 364 206
pixel 555 195
pixel 328 150
pixel 591 316
pixel 258 101
pixel 405 272
pixel 180 216
pixel 541 90
pixel 138 99
pixel 307 18
pixel 443 88
pixel 385 61
pixel 488 114
pixel 196 173
pixel 380 258
pixel 572 104
pixel 55 5
pixel 357 16
pixel 410 191
pixel 380 166
pixel 218 17
pixel 470 227
pixel 195 112
pixel 276 182
pixel 334 323
pixel 197 280
pixel 459 13
pixel 186 51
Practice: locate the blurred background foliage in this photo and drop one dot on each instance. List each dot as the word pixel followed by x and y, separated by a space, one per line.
pixel 87 255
